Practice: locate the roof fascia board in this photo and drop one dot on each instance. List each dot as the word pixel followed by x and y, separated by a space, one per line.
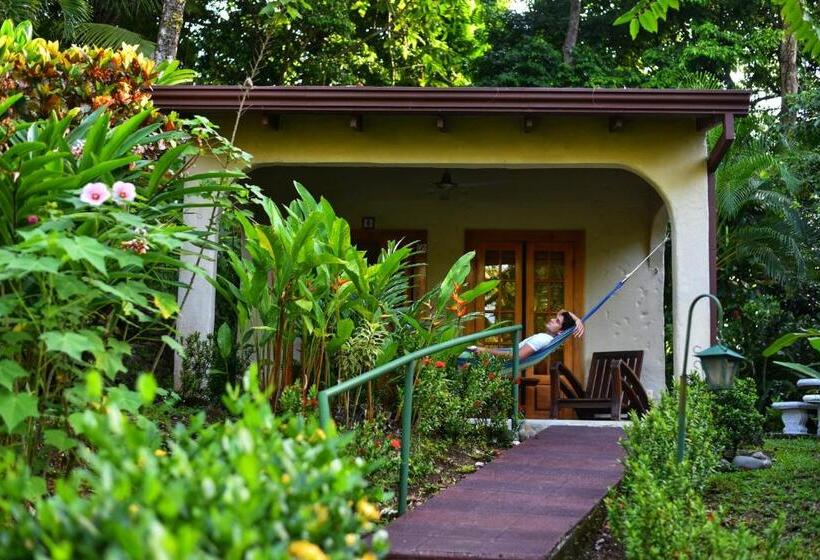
pixel 457 101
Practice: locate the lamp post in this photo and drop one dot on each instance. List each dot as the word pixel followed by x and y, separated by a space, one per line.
pixel 719 364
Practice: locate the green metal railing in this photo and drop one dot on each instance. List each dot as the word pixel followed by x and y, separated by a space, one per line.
pixel 409 360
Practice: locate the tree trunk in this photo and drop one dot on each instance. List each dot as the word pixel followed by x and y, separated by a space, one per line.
pixel 170 26
pixel 572 31
pixel 787 56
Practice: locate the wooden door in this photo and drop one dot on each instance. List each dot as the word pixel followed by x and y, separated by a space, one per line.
pixel 502 262
pixel 539 273
pixel 549 289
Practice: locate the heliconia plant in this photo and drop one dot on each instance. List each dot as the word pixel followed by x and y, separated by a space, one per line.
pixel 302 277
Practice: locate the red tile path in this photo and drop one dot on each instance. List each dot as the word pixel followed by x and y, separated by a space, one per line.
pixel 518 506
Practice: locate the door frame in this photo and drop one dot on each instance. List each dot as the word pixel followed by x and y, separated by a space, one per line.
pixel 474 237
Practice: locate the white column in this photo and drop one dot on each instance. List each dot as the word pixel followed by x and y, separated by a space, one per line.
pixel 690 272
pixel 197 297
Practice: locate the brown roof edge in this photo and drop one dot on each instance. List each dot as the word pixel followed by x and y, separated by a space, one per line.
pixel 409 100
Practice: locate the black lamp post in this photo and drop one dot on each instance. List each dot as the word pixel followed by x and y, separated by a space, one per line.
pixel 719 364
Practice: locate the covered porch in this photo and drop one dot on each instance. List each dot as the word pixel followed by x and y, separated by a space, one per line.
pixel 584 181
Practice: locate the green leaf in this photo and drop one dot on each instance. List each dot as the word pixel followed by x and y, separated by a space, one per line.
pixel 224 341
pixel 800 369
pixel 623 18
pixel 87 249
pixel 94 385
pixel 17 407
pixel 34 488
pixel 649 21
pixel 174 345
pixel 786 340
pixel 9 372
pixel 634 28
pixel 8 102
pixel 166 304
pixel 480 290
pixel 304 304
pixel 72 344
pixel 59 439
pixel 147 388
pixel 110 360
pixel 125 399
pixel 344 329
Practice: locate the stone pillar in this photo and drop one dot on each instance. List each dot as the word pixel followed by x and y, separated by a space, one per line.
pixel 690 272
pixel 197 302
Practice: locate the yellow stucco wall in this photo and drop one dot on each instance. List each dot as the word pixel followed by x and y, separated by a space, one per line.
pixel 669 155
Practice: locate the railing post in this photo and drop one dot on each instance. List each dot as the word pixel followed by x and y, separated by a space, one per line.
pixel 406 418
pixel 324 410
pixel 515 367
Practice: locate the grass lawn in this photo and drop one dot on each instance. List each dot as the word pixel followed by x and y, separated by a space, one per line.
pixel 791 486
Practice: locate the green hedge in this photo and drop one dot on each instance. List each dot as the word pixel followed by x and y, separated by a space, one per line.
pixel 254 486
pixel 658 511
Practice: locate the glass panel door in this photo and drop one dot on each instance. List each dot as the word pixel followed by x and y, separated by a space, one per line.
pixel 549 289
pixel 502 262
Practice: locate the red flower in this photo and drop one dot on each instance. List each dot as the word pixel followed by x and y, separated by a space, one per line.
pixel 440 364
pixel 395 443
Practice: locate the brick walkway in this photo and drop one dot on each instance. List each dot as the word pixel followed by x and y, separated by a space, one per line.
pixel 518 506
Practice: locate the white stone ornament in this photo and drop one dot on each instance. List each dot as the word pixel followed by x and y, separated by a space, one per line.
pixel 795 414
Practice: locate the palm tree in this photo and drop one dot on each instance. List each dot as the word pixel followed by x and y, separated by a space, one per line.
pixel 759 220
pixel 105 23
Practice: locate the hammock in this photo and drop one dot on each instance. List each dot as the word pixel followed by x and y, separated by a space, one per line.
pixel 559 339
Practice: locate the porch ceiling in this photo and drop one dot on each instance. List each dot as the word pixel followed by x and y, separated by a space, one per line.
pixel 458 101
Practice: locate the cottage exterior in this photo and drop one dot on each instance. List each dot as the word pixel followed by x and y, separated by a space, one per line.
pixel 560 192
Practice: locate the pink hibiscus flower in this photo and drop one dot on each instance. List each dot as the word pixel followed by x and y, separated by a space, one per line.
pixel 95 194
pixel 124 192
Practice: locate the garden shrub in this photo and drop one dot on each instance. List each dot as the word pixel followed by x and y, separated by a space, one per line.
pixel 737 420
pixel 79 79
pixel 447 396
pixel 484 392
pixel 653 438
pixel 91 226
pixel 254 486
pixel 658 511
pixel 436 408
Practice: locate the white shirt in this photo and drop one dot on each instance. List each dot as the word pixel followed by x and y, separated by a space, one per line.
pixel 536 341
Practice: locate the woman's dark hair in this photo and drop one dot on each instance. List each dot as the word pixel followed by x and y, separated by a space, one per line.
pixel 567 322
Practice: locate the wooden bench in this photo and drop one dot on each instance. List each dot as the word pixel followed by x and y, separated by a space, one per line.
pixel 613 386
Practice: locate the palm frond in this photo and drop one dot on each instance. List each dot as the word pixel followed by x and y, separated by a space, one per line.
pixel 111 36
pixel 75 12
pixel 19 10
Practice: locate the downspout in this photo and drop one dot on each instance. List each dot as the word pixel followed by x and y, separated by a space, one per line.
pixel 727 137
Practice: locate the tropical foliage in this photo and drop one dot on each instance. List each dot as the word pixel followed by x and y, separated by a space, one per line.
pixel 329 42
pixel 79 79
pixel 103 23
pixel 795 13
pixel 659 511
pixel 91 233
pixel 252 486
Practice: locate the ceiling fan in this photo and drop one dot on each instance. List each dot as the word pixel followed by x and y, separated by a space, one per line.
pixel 446 185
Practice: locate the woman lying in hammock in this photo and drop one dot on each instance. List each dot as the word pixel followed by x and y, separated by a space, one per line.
pixel 563 321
